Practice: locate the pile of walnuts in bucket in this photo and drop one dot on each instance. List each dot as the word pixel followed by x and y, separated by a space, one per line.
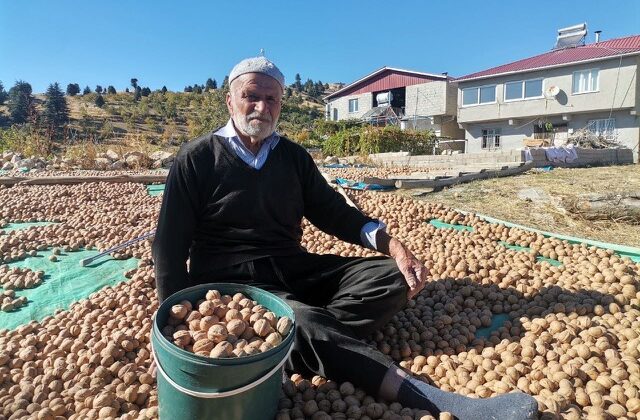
pixel 225 326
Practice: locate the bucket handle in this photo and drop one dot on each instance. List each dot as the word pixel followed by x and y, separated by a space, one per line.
pixel 223 394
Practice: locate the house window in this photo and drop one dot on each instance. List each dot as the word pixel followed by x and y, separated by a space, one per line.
pixel 585 81
pixel 491 138
pixel 523 89
pixel 479 95
pixel 353 105
pixel 604 127
pixel 335 114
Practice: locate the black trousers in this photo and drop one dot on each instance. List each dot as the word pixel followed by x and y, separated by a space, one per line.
pixel 336 301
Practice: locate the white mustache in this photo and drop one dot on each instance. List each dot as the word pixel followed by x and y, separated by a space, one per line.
pixel 258 116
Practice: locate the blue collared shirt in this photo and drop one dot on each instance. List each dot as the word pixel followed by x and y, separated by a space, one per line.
pixel 368 231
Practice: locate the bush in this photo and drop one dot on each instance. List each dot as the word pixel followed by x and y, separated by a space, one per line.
pixel 24 139
pixel 367 139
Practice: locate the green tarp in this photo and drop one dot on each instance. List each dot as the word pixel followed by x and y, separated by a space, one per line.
pixel 497 321
pixel 155 189
pixel 27 225
pixel 65 282
pixel 442 225
pixel 622 250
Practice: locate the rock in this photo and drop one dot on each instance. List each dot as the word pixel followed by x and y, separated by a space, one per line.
pixel 26 163
pixel 160 155
pixel 533 195
pixel 118 164
pixel 330 160
pixel 7 166
pixel 16 158
pixel 111 155
pixel 162 159
pixel 102 162
pixel 133 161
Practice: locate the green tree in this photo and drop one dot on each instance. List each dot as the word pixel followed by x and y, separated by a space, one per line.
pixel 164 89
pixel 86 91
pixel 210 84
pixel 98 89
pixel 134 83
pixel 188 89
pixel 73 89
pixel 145 91
pixel 298 83
pixel 197 89
pixel 56 112
pixel 21 102
pixel 225 83
pixel 99 101
pixel 3 94
pixel 111 90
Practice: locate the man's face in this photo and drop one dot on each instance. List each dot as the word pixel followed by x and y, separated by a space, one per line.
pixel 254 102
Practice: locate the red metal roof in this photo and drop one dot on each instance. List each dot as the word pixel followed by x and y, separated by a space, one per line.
pixel 385 78
pixel 595 51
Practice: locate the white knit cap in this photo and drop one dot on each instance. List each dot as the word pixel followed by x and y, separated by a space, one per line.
pixel 257 65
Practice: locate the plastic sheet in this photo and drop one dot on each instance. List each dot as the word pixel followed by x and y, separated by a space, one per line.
pixel 65 282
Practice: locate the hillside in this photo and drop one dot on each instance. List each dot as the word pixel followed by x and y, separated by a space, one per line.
pixel 162 120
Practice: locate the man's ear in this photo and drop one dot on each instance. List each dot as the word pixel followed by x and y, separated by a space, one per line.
pixel 228 102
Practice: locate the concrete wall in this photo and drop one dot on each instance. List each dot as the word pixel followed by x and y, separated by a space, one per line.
pixel 342 105
pixel 625 96
pixel 498 159
pixel 512 136
pixel 426 99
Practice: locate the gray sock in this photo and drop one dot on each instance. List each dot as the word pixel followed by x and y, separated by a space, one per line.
pixel 414 393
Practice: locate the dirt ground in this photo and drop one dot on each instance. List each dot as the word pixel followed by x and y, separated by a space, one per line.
pixel 534 200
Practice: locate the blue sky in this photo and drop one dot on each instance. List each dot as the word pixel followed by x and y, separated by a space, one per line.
pixel 181 43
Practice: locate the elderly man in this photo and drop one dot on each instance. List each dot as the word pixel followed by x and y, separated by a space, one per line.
pixel 233 204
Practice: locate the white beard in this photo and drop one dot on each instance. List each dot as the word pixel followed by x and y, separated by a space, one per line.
pixel 257 128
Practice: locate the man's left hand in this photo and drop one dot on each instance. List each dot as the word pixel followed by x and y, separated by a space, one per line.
pixel 414 272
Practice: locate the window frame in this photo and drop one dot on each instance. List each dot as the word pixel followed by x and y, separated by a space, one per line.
pixel 478 103
pixel 597 86
pixel 497 133
pixel 603 121
pixel 356 108
pixel 522 90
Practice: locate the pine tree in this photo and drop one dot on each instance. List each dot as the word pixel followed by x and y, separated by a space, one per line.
pixel 73 89
pixel 197 89
pixel 99 101
pixel 164 89
pixel 98 89
pixel 21 104
pixel 145 91
pixel 215 84
pixel 209 85
pixel 86 91
pixel 111 90
pixel 3 94
pixel 188 89
pixel 127 90
pixel 298 83
pixel 134 83
pixel 138 94
pixel 56 112
pixel 225 83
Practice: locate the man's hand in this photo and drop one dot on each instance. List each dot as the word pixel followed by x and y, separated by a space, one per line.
pixel 414 272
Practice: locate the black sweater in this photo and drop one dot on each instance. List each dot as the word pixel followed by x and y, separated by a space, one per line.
pixel 219 211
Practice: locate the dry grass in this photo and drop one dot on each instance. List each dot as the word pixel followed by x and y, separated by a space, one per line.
pixel 499 198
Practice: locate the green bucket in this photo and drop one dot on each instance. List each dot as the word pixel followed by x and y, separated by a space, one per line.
pixel 197 387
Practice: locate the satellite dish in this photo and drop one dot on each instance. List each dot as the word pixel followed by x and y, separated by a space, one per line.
pixel 551 92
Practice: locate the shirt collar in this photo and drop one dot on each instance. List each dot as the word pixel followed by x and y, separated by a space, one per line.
pixel 229 131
